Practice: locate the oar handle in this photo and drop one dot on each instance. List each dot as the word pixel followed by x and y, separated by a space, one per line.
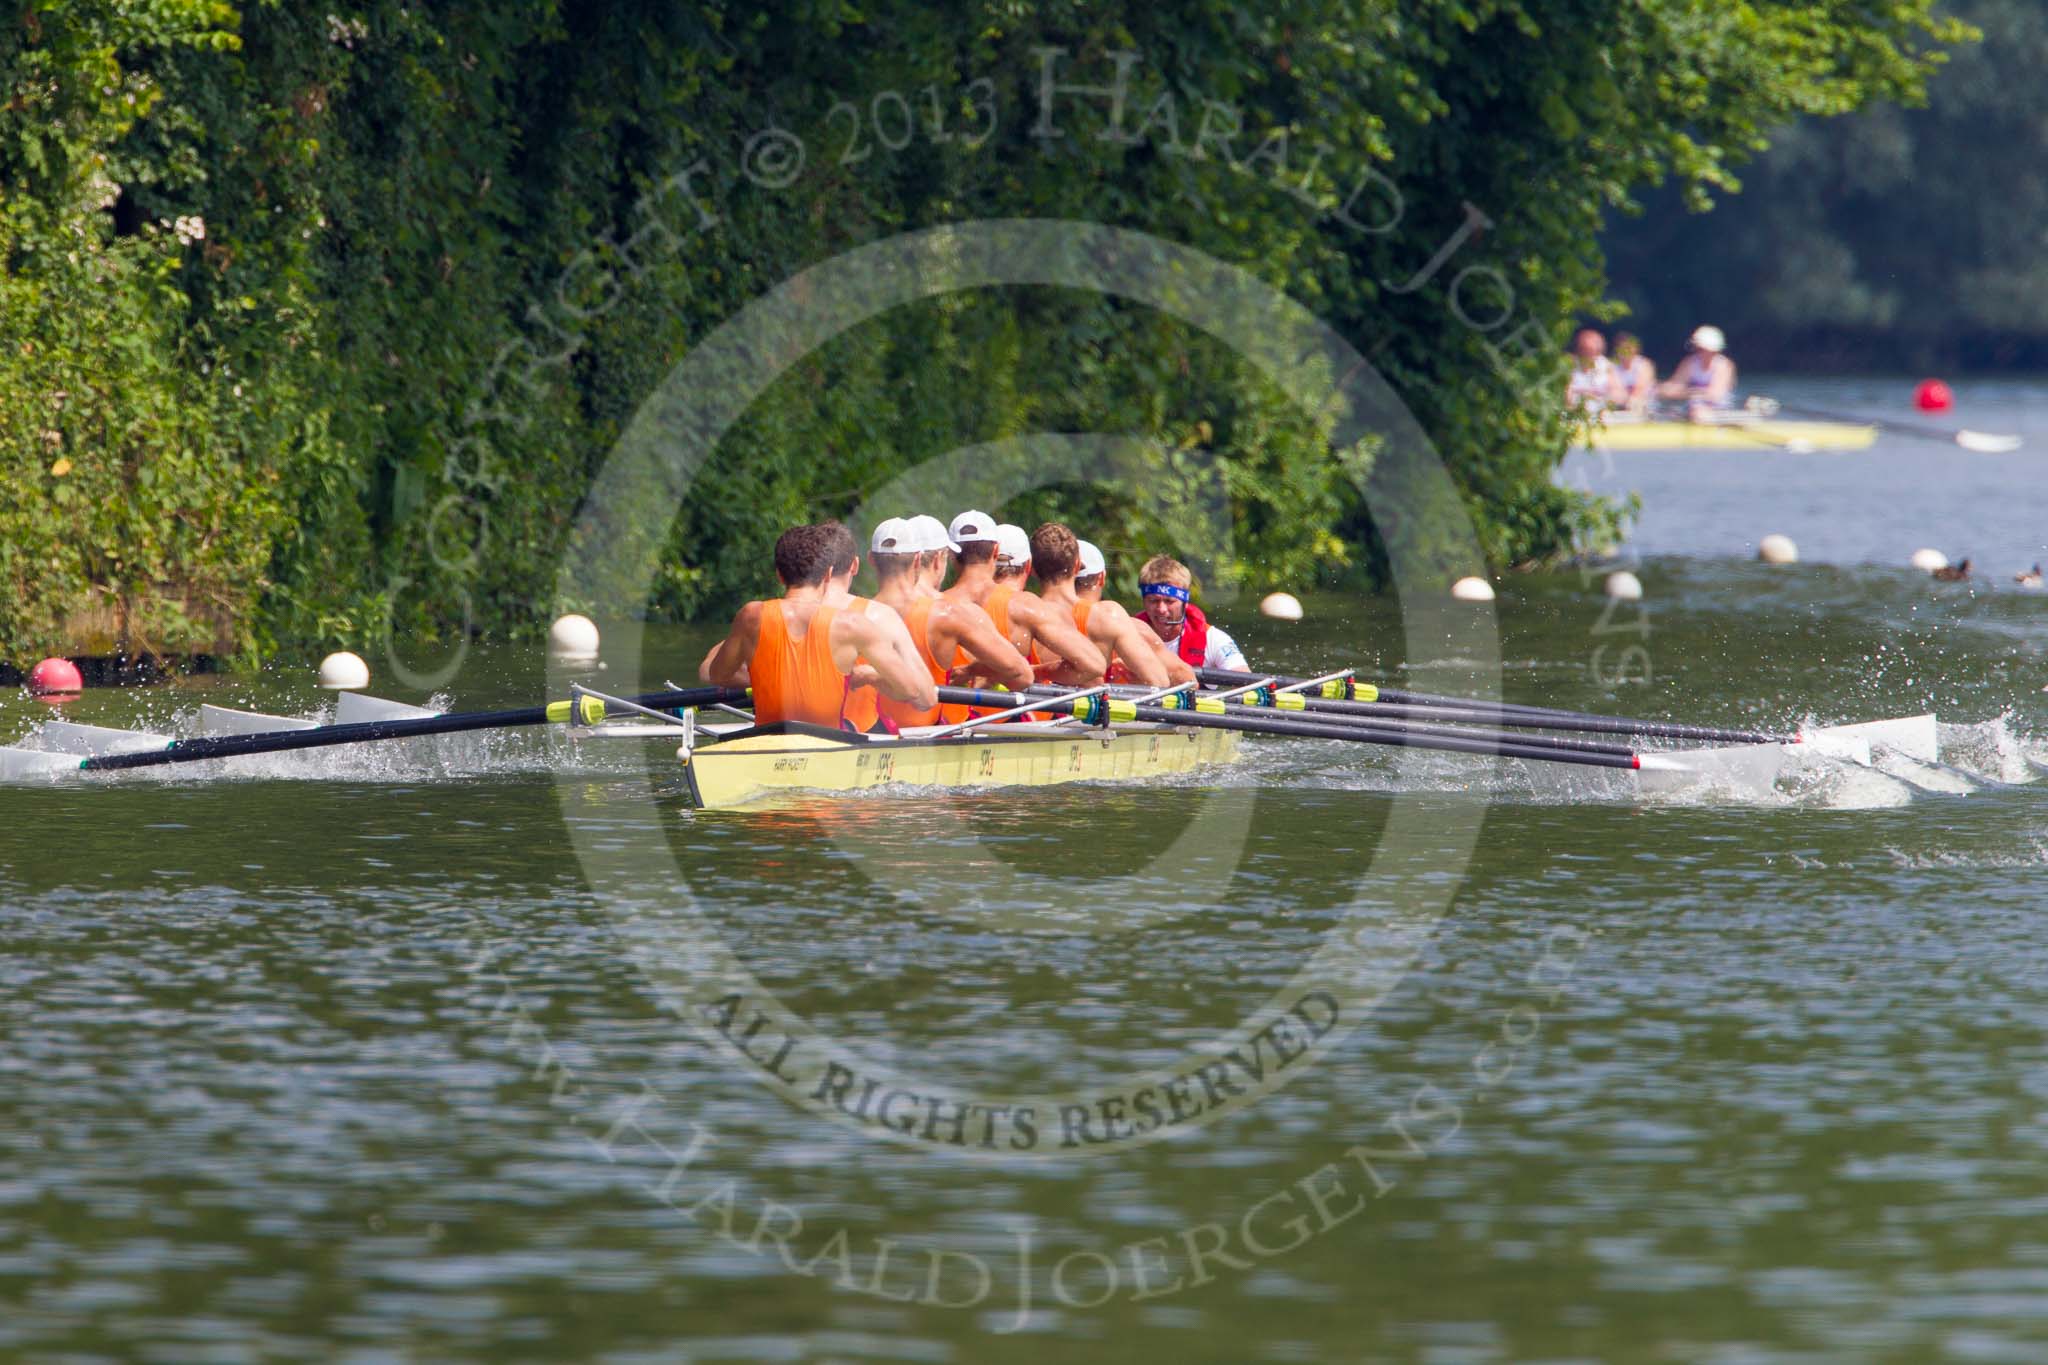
pixel 203 747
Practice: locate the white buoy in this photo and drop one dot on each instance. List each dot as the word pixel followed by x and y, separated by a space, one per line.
pixel 344 672
pixel 1624 587
pixel 1927 561
pixel 1777 550
pixel 573 639
pixel 1472 590
pixel 1281 606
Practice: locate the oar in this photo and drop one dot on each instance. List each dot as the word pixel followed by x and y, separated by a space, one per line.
pixel 1214 704
pixel 1984 442
pixel 1247 722
pixel 1395 704
pixel 584 710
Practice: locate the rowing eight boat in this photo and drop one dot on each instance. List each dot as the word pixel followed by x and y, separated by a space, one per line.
pixel 1105 739
pixel 745 765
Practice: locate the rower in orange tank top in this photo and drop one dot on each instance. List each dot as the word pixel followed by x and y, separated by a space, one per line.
pixel 918 620
pixel 998 608
pixel 862 707
pixel 794 677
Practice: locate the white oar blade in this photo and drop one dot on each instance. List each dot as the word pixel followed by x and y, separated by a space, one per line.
pixel 68 737
pixel 18 764
pixel 351 708
pixel 1742 768
pixel 222 720
pixel 1987 443
pixel 1916 737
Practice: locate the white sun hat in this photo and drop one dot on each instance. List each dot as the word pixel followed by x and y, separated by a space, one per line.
pixel 1710 339
pixel 969 527
pixel 929 533
pixel 1012 545
pixel 1090 563
pixel 891 537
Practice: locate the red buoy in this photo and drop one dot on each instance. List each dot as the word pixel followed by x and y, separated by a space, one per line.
pixel 55 681
pixel 1933 396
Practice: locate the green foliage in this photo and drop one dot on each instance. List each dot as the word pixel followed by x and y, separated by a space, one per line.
pixel 446 258
pixel 1895 238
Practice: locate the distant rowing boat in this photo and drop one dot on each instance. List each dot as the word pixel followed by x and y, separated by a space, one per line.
pixel 1738 431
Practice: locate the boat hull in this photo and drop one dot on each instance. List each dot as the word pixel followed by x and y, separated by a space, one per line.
pixel 760 763
pixel 1750 435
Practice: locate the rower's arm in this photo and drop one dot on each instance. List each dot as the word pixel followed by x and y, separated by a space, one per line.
pixel 1082 662
pixel 1179 673
pixel 879 637
pixel 726 664
pixel 1140 650
pixel 994 657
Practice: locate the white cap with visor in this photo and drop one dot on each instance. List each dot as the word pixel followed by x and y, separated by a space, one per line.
pixel 970 527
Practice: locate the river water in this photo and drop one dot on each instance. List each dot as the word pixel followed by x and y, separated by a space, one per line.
pixel 385 1055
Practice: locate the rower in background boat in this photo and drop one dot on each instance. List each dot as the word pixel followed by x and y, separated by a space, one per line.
pixel 955 638
pixel 1055 558
pixel 1166 589
pixel 796 651
pixel 1953 573
pixel 1594 385
pixel 1638 374
pixel 1705 379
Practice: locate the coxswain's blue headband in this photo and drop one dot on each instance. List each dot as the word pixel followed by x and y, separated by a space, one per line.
pixel 1173 590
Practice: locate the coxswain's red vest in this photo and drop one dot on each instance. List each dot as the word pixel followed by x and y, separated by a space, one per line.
pixel 1192 644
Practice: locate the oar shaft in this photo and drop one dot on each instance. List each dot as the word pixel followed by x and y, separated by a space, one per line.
pixel 1394 704
pixel 1476 742
pixel 1920 429
pixel 1258 721
pixel 1514 720
pixel 204 747
pixel 1374 716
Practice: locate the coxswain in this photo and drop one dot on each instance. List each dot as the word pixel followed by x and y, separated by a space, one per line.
pixel 1166 588
pixel 796 651
pixel 1705 379
pixel 1091 576
pixel 955 639
pixel 1055 558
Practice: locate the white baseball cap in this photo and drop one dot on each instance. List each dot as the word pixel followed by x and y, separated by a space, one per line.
pixel 1012 545
pixel 929 533
pixel 892 537
pixel 969 527
pixel 1710 339
pixel 1091 562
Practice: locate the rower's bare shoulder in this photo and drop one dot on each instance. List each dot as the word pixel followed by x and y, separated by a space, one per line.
pixel 958 611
